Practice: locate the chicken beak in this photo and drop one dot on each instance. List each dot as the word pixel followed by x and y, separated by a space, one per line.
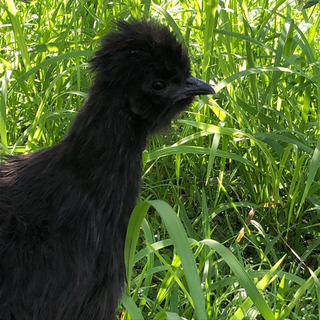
pixel 193 87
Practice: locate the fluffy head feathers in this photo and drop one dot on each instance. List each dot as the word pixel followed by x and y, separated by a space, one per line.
pixel 138 50
pixel 144 63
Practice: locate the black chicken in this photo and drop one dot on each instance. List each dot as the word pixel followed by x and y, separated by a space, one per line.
pixel 64 210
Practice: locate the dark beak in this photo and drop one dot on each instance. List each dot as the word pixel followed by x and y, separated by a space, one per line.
pixel 193 87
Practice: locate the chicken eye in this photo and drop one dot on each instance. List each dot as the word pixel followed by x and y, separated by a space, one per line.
pixel 158 85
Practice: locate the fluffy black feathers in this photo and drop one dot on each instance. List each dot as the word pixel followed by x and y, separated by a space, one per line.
pixel 64 210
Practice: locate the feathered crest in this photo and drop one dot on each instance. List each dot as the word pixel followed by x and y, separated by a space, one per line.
pixel 138 44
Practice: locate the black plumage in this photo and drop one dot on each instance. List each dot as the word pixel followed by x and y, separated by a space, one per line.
pixel 64 210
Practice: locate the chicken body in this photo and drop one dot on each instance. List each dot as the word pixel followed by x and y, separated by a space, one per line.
pixel 64 210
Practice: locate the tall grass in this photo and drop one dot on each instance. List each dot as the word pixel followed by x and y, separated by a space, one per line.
pixel 240 170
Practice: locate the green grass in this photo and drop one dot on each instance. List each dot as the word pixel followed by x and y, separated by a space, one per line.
pixel 253 147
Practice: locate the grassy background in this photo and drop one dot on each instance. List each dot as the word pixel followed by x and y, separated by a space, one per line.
pixel 240 171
